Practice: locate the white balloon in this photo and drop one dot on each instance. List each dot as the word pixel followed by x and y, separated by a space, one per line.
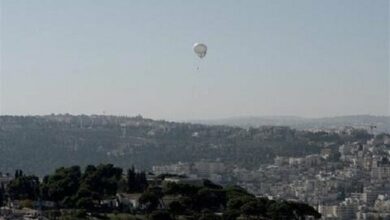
pixel 200 49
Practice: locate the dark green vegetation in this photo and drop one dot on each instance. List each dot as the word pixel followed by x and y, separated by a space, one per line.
pixel 36 144
pixel 75 194
pixel 70 188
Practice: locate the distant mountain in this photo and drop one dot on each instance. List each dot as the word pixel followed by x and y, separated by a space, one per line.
pixel 38 144
pixel 381 123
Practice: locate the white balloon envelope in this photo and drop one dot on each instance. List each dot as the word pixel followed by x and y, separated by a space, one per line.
pixel 200 49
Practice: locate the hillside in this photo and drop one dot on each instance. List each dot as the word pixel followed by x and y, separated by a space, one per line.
pixel 381 123
pixel 39 143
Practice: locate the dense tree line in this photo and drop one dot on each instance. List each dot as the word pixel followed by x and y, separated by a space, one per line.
pixel 69 187
pixel 72 189
pixel 203 202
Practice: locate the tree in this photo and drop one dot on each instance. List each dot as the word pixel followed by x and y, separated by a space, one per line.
pixel 262 205
pixel 176 208
pixel 101 181
pixel 85 203
pixel 84 198
pixel 181 189
pixel 160 215
pixel 235 203
pixel 208 215
pixel 63 183
pixel 26 203
pixel 280 210
pixel 18 173
pixel 136 182
pixel 187 202
pixel 24 187
pixel 2 194
pixel 211 185
pixel 254 208
pixel 150 201
pixel 249 209
pixel 212 199
pixel 302 210
pixel 231 215
pixel 237 192
pixel 131 182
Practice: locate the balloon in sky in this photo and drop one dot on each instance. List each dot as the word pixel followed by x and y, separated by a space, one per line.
pixel 200 49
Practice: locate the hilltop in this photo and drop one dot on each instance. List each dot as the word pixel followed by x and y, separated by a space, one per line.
pixel 381 123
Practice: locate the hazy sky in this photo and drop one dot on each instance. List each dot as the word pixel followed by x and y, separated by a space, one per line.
pixel 306 58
